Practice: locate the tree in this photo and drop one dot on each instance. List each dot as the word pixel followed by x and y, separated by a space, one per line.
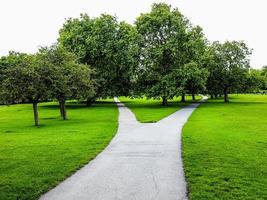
pixel 228 67
pixel 264 74
pixel 9 61
pixel 211 63
pixel 264 71
pixel 69 79
pixel 24 80
pixel 255 81
pixel 109 46
pixel 196 78
pixel 169 42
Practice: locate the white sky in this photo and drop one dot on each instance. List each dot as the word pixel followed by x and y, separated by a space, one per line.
pixel 27 24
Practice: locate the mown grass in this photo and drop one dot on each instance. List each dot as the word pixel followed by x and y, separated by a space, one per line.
pixel 33 160
pixel 152 110
pixel 225 149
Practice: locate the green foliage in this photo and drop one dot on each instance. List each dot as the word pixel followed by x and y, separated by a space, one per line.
pixel 224 149
pixel 109 46
pixel 12 59
pixel 255 81
pixel 69 79
pixel 195 79
pixel 168 43
pixel 22 79
pixel 35 160
pixel 264 71
pixel 51 73
pixel 228 67
pixel 264 75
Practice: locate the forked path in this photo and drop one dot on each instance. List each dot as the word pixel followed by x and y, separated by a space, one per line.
pixel 142 162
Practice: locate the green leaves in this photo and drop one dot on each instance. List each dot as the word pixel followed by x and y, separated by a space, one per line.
pixel 69 79
pixel 23 80
pixel 109 46
pixel 161 55
pixel 228 66
pixel 169 42
pixel 53 73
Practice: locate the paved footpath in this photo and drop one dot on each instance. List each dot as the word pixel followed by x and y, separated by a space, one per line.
pixel 142 162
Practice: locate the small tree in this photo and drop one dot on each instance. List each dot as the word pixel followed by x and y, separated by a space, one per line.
pixel 24 81
pixel 255 81
pixel 228 67
pixel 69 79
pixel 195 79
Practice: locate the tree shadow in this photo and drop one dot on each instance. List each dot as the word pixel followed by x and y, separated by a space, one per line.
pixel 79 105
pixel 155 105
pixel 233 102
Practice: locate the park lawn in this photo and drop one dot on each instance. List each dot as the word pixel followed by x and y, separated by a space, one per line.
pixel 33 160
pixel 225 149
pixel 152 110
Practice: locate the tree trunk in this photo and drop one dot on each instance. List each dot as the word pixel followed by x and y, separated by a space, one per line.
pixel 64 112
pixel 193 97
pixel 89 101
pixel 212 96
pixel 164 101
pixel 183 98
pixel 226 98
pixel 62 107
pixel 216 96
pixel 35 113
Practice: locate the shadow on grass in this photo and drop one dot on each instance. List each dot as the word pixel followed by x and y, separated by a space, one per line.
pixel 234 101
pixel 78 105
pixel 156 105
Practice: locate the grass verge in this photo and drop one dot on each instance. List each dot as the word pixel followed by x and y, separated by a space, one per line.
pixel 224 149
pixel 33 160
pixel 152 110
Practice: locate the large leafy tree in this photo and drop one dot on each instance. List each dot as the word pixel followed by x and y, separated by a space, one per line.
pixel 23 79
pixel 229 67
pixel 69 79
pixel 109 46
pixel 168 43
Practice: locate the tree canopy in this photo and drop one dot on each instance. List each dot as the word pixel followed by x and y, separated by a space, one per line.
pixel 169 42
pixel 228 67
pixel 109 46
pixel 52 73
pixel 24 81
pixel 68 78
pixel 162 55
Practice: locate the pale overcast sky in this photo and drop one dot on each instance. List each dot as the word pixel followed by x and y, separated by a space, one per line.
pixel 27 24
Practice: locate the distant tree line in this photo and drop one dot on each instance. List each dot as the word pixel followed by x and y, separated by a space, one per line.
pixel 161 56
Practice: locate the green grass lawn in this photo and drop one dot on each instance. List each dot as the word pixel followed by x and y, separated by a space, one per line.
pixel 225 149
pixel 152 110
pixel 33 160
